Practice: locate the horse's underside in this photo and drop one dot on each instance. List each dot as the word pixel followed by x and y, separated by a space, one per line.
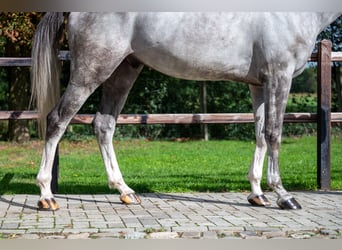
pixel 265 50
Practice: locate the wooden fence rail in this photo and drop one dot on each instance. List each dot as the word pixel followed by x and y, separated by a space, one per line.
pixel 208 118
pixel 323 117
pixel 64 55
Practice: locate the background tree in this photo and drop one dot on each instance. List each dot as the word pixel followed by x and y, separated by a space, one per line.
pixel 16 32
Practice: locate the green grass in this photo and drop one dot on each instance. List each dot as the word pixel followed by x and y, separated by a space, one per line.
pixel 164 166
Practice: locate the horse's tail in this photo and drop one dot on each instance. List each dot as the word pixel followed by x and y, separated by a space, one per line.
pixel 45 71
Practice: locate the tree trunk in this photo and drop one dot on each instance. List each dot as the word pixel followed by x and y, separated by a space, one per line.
pixel 18 130
pixel 18 99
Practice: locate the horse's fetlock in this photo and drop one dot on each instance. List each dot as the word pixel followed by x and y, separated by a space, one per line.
pixel 43 178
pixel 114 184
pixel 111 185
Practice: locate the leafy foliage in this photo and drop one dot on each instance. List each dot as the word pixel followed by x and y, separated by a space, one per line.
pixel 16 32
pixel 333 33
pixel 306 82
pixel 18 28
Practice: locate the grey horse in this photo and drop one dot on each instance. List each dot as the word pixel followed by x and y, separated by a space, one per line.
pixel 264 50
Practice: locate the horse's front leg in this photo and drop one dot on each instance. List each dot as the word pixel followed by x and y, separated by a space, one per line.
pixel 104 125
pixel 114 95
pixel 257 198
pixel 278 83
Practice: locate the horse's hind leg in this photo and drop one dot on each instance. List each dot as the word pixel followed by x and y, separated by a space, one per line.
pixel 115 91
pixel 57 121
pixel 257 197
pixel 84 79
pixel 277 84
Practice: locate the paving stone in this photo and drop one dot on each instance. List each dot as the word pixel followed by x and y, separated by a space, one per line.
pixel 274 234
pixel 301 235
pixel 116 225
pixel 80 230
pixel 189 228
pixel 167 222
pixel 105 235
pixel 163 235
pixel 44 230
pixel 12 231
pixel 30 236
pixel 328 232
pixel 135 236
pixel 210 235
pixel 27 227
pixel 191 235
pixel 231 238
pixel 98 224
pixel 45 225
pixel 149 222
pixel 197 215
pixel 249 234
pixel 78 236
pixel 52 237
pixel 281 238
pixel 80 225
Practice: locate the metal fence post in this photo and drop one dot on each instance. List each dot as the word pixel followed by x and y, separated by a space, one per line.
pixel 203 103
pixel 324 114
pixel 55 172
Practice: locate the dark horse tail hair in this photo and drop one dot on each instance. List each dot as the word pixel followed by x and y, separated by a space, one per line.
pixel 45 71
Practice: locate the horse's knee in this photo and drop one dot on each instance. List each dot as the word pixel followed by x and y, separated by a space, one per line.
pixel 103 123
pixel 272 136
pixel 272 140
pixel 104 126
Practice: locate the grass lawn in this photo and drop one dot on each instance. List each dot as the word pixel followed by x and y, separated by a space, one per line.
pixel 164 166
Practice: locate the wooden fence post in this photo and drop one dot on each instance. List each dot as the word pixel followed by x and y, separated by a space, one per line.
pixel 324 114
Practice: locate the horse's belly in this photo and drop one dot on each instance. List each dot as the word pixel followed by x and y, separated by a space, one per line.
pixel 192 67
pixel 193 46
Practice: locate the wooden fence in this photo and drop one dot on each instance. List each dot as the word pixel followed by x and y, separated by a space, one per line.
pixel 323 117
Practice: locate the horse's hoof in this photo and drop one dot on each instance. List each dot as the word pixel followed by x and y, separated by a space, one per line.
pixel 48 205
pixel 130 199
pixel 259 200
pixel 289 204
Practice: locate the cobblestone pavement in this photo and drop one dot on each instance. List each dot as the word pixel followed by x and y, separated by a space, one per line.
pixel 167 216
